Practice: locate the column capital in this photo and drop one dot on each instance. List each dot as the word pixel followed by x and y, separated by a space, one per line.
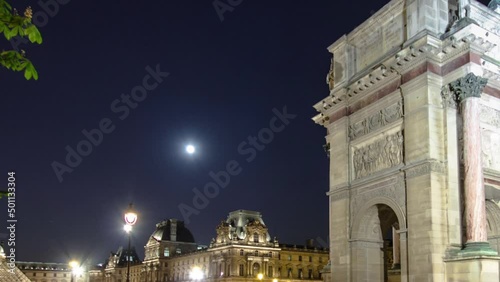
pixel 468 86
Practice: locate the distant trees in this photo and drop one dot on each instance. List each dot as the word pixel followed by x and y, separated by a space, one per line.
pixel 12 24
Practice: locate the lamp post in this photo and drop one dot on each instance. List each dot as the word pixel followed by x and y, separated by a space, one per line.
pixel 130 220
pixel 76 269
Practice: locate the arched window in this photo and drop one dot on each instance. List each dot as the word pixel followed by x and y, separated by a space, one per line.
pixel 256 238
pixel 256 269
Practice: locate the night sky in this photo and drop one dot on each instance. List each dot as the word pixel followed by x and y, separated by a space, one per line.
pixel 225 78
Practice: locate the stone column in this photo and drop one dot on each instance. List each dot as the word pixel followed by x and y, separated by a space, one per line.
pixel 396 264
pixel 468 91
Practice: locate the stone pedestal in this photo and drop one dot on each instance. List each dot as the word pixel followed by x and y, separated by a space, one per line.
pixel 477 269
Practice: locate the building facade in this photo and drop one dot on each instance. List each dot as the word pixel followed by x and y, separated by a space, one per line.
pixel 241 250
pixel 413 134
pixel 50 272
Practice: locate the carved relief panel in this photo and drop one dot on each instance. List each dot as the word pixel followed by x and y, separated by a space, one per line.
pixel 382 153
pixel 490 137
pixel 375 121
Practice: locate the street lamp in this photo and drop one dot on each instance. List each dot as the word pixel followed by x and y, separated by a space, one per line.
pixel 196 273
pixel 76 269
pixel 130 220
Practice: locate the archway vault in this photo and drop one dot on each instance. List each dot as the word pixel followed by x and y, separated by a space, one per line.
pixel 377 251
pixel 362 218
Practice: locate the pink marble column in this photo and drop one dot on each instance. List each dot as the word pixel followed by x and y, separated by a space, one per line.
pixel 467 91
pixel 475 210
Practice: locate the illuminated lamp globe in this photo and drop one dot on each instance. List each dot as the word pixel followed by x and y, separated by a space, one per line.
pixel 196 273
pixel 130 216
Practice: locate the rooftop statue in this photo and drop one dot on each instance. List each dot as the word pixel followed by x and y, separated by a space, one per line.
pixel 330 77
pixel 494 5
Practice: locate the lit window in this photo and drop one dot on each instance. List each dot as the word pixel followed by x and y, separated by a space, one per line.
pixel 178 251
pixel 166 252
pixel 289 257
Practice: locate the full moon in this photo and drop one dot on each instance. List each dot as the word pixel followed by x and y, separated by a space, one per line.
pixel 190 149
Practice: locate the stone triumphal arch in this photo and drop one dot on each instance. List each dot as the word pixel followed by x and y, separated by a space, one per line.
pixel 413 136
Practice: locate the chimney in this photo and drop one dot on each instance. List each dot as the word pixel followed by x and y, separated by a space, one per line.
pixel 173 229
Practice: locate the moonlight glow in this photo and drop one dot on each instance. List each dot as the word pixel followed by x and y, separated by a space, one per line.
pixel 190 149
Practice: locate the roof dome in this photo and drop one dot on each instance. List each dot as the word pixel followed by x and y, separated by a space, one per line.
pixel 172 230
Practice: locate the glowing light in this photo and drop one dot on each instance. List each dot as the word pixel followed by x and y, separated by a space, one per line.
pixel 275 280
pixel 196 273
pixel 76 269
pixel 127 228
pixel 190 149
pixel 260 276
pixel 130 216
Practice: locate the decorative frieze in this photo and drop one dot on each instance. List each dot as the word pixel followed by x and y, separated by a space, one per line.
pixel 339 195
pixel 425 168
pixel 490 116
pixel 379 155
pixel 385 116
pixel 490 149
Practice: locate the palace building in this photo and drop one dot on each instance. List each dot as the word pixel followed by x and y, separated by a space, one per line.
pixel 243 250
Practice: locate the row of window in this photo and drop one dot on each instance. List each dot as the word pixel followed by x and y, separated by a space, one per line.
pixel 45 274
pixel 270 272
pixel 256 253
